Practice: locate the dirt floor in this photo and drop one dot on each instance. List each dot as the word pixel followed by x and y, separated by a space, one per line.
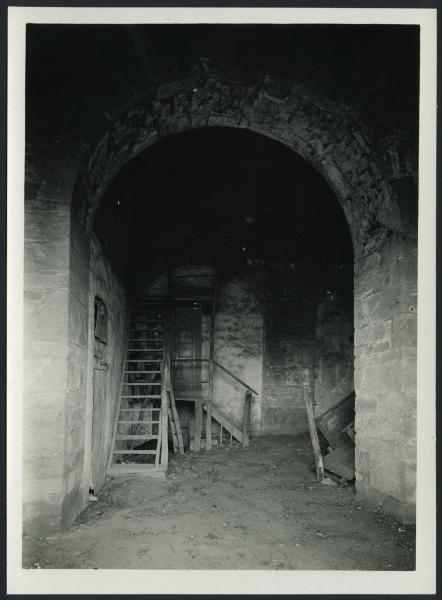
pixel 231 508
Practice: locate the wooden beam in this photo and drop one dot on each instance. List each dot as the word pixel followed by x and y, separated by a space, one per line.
pixel 164 422
pixel 307 392
pixel 198 424
pixel 211 365
pixel 246 418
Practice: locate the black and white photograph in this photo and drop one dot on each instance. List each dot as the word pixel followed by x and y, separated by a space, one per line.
pixel 220 290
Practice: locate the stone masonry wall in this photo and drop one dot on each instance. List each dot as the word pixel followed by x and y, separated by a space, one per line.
pixel 334 352
pixel 306 326
pixel 385 355
pixel 45 362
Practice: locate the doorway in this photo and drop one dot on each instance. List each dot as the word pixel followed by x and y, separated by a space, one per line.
pixel 186 352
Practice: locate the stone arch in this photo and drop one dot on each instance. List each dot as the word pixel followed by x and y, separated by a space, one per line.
pixel 334 141
pixel 323 133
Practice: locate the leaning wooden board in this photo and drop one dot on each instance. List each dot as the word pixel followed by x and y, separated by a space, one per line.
pixel 341 460
pixel 332 422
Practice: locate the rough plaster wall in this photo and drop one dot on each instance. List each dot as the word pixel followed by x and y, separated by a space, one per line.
pixel 385 375
pixel 334 354
pixel 305 328
pixel 103 283
pixel 74 495
pixel 289 317
pixel 46 289
pixel 238 347
pixel 90 275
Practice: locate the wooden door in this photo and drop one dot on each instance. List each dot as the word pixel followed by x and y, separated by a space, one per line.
pixel 98 471
pixel 186 345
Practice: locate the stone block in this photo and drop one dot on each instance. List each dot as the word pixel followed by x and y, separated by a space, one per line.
pixel 80 242
pixel 374 333
pixel 78 324
pixel 46 314
pixel 79 266
pixel 43 467
pixel 46 281
pixel 41 518
pixel 385 376
pixel 45 441
pixel 43 489
pixel 46 256
pixel 78 290
pixel 44 374
pixel 47 225
pixel 76 370
pixel 405 329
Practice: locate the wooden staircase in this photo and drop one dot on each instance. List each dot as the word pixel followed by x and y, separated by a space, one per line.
pixel 224 423
pixel 146 404
pixel 139 441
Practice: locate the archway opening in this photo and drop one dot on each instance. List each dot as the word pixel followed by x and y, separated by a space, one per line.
pixel 260 217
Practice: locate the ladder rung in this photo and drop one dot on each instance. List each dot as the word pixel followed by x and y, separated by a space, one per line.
pixel 135 372
pixel 145 349
pixel 143 396
pixel 134 451
pixel 144 360
pixel 136 437
pixel 140 409
pixel 138 422
pixel 143 383
pixel 139 320
pixel 144 329
pixel 146 340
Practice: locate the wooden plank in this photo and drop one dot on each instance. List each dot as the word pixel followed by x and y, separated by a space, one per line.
pixel 176 418
pixel 144 350
pixel 211 367
pixel 138 422
pixel 341 460
pixel 227 424
pixel 307 389
pixel 332 422
pixel 134 451
pixel 146 340
pixel 116 415
pixel 172 429
pixel 164 423
pixel 136 372
pixel 132 383
pixel 246 418
pixel 140 409
pixel 143 360
pixel 135 437
pixel 198 424
pixel 147 396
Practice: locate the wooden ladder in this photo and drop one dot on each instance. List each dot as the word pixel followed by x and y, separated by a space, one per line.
pixel 139 415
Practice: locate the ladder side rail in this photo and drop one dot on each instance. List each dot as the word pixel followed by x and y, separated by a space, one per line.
pixel 163 438
pixel 175 416
pixel 117 407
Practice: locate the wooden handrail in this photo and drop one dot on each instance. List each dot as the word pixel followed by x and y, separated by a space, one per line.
pixel 243 383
